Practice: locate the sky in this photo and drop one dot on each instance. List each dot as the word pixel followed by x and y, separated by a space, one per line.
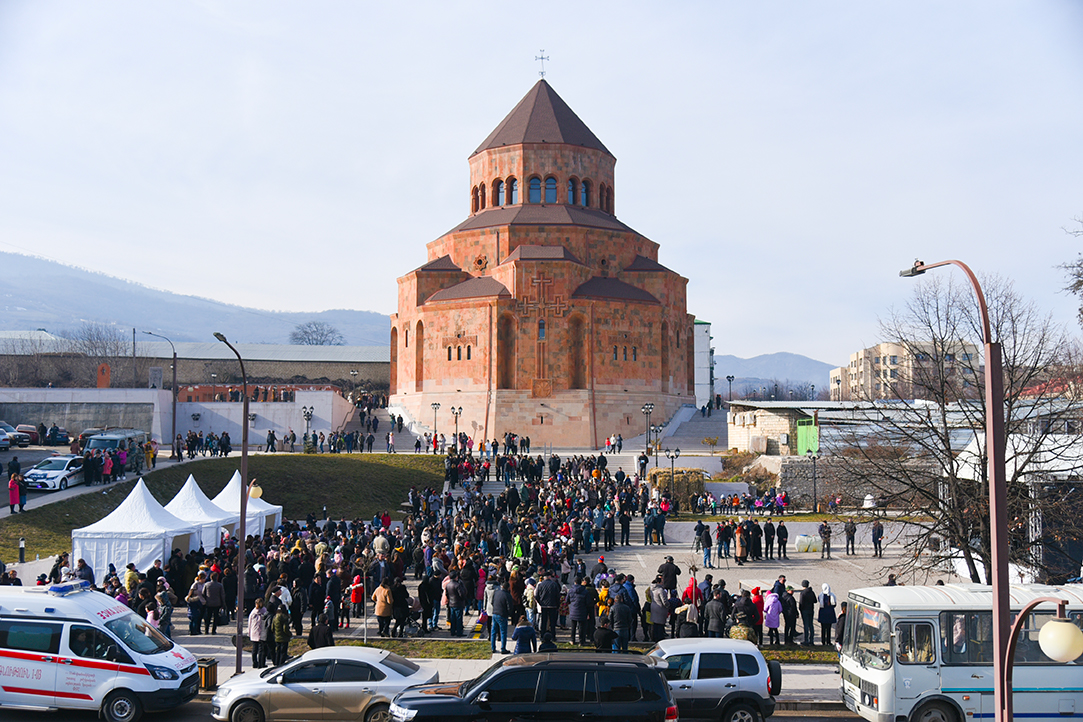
pixel 789 158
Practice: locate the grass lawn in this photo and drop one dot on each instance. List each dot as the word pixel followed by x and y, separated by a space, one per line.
pixel 351 486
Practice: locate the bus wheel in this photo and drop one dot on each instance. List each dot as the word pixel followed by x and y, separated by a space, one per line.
pixel 122 706
pixel 935 712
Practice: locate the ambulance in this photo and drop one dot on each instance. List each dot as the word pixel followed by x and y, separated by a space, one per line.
pixel 66 646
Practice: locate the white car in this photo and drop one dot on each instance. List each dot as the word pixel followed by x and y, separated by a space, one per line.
pixel 56 472
pixel 5 440
pixel 720 678
pixel 330 683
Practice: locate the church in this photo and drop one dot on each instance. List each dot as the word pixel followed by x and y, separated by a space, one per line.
pixel 542 314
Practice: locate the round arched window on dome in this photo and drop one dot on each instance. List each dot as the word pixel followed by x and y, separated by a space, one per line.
pixel 481 195
pixel 513 192
pixel 474 202
pixel 584 194
pixel 498 193
pixel 572 191
pixel 550 190
pixel 534 194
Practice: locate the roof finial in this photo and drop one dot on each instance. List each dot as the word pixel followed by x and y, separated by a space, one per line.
pixel 543 57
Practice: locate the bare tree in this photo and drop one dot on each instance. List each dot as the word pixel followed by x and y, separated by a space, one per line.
pixel 1074 268
pixel 316 333
pixel 907 453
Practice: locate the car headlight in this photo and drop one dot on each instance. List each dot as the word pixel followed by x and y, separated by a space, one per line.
pixel 162 672
pixel 401 713
pixel 223 692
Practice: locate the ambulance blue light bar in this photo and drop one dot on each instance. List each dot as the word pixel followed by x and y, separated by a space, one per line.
pixel 63 590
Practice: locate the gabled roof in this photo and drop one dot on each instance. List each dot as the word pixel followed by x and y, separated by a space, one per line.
pixel 443 263
pixel 613 288
pixel 642 263
pixel 542 116
pixel 541 253
pixel 542 215
pixel 477 287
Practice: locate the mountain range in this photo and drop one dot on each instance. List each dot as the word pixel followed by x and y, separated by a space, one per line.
pixel 40 294
pixel 769 368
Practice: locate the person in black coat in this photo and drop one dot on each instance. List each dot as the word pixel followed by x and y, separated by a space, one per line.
pixel 669 573
pixel 806 605
pixel 321 634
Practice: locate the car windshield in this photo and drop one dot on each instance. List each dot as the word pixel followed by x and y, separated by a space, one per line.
pixel 52 465
pixel 95 443
pixel 7 427
pixel 869 637
pixel 138 635
pixel 399 664
pixel 472 684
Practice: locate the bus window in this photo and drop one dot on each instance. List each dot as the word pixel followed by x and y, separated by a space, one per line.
pixel 967 637
pixel 914 643
pixel 872 637
pixel 1027 650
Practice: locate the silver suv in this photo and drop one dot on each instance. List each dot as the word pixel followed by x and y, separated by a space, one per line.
pixel 720 679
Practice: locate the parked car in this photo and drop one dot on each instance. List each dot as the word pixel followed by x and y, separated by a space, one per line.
pixel 31 431
pixel 5 440
pixel 131 439
pixel 58 436
pixel 86 434
pixel 330 683
pixel 720 679
pixel 571 685
pixel 17 437
pixel 56 473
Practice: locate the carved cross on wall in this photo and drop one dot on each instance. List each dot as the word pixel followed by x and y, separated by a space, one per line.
pixel 540 301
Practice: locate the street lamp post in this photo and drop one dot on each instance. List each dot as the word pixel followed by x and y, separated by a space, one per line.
pixel 456 412
pixel 812 392
pixel 813 455
pixel 647 409
pixel 838 385
pixel 672 456
pixel 246 489
pixel 1004 633
pixel 214 387
pixel 657 430
pixel 729 379
pixel 173 437
pixel 306 413
pixel 435 407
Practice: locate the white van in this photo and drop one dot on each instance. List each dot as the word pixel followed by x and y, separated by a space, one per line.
pixel 67 646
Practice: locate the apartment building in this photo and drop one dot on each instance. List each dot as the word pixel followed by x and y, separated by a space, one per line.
pixel 907 371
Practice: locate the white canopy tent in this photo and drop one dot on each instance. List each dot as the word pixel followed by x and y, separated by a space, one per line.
pixel 139 531
pixel 192 505
pixel 259 515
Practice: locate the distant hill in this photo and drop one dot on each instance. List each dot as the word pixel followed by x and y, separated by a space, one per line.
pixel 759 370
pixel 36 293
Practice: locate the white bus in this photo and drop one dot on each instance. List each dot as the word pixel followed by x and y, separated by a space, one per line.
pixel 925 654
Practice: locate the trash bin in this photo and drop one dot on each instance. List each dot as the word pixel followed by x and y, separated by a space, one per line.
pixel 208 673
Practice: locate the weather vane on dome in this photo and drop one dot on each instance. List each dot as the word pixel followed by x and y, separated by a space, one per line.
pixel 542 58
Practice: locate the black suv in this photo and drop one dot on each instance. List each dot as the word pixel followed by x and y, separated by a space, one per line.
pixel 565 686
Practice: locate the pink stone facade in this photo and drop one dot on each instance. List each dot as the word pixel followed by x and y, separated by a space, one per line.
pixel 550 320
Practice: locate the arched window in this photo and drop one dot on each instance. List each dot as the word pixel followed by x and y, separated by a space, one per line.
pixel 625 353
pixel 584 194
pixel 541 329
pixel 458 353
pixel 407 337
pixel 550 190
pixel 635 356
pixel 449 353
pixel 513 192
pixel 615 350
pixel 572 192
pixel 534 195
pixel 498 193
pixel 609 201
pixel 467 353
pixel 474 202
pixel 481 195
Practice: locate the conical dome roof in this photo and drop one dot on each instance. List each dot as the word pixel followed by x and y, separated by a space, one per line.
pixel 542 116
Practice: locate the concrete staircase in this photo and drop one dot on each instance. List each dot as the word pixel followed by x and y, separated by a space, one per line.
pixel 404 440
pixel 689 436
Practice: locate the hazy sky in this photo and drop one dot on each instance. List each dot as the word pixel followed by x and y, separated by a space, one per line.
pixel 790 157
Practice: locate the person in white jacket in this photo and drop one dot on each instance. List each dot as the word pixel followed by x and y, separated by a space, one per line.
pixel 257 634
